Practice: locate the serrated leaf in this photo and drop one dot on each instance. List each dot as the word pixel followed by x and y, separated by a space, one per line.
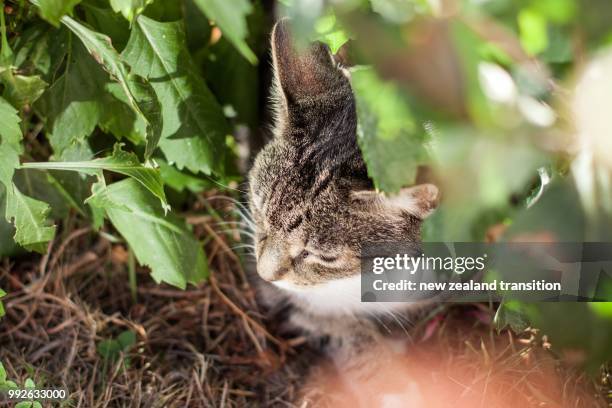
pixel 121 162
pixel 54 10
pixel 37 185
pixel 29 216
pixel 129 8
pixel 7 231
pixel 72 105
pixel 10 142
pixel 101 49
pixel 388 136
pixel 83 97
pixel 194 127
pixel 230 17
pixel 159 241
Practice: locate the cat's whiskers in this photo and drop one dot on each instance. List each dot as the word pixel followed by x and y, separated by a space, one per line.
pixel 250 250
pixel 241 208
pixel 240 231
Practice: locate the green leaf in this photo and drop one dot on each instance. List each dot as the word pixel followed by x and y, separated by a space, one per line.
pixel 112 348
pixel 73 105
pixel 329 32
pixel 2 371
pixel 121 162
pixel 400 11
pixel 129 8
pixel 391 143
pixel 119 121
pixel 28 404
pixel 38 185
pixel 533 33
pixel 603 309
pixel 54 10
pixel 29 216
pixel 231 19
pixel 194 127
pixel 83 97
pixel 21 90
pixel 161 242
pixel 2 294
pixel 6 54
pixel 10 142
pixel 108 22
pixel 139 97
pixel 574 327
pixel 180 180
pixel 558 11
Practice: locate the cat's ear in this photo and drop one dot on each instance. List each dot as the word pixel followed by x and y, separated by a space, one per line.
pixel 420 200
pixel 302 75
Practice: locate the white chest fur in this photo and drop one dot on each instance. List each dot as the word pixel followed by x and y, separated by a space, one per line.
pixel 339 297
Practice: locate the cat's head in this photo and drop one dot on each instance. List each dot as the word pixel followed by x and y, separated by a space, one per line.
pixel 309 193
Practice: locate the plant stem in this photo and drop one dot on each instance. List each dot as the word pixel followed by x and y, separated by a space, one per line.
pixel 132 274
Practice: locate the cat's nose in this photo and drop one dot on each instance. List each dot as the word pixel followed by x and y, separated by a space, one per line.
pixel 271 266
pixel 274 275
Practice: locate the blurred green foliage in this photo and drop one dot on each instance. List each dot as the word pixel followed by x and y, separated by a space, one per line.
pixel 481 92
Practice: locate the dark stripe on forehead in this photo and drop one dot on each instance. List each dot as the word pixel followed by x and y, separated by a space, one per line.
pixel 295 223
pixel 321 184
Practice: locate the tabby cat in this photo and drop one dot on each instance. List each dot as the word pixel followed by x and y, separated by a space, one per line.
pixel 312 202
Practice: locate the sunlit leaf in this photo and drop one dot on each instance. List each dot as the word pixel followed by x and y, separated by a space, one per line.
pixel 2 373
pixel 231 19
pixel 159 241
pixel 194 127
pixel 129 8
pixel 54 10
pixel 532 26
pixel 119 162
pixel 391 141
pixel 329 32
pixel 138 95
pixel 180 180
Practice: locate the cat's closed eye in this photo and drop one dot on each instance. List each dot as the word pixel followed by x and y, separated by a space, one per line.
pixel 328 259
